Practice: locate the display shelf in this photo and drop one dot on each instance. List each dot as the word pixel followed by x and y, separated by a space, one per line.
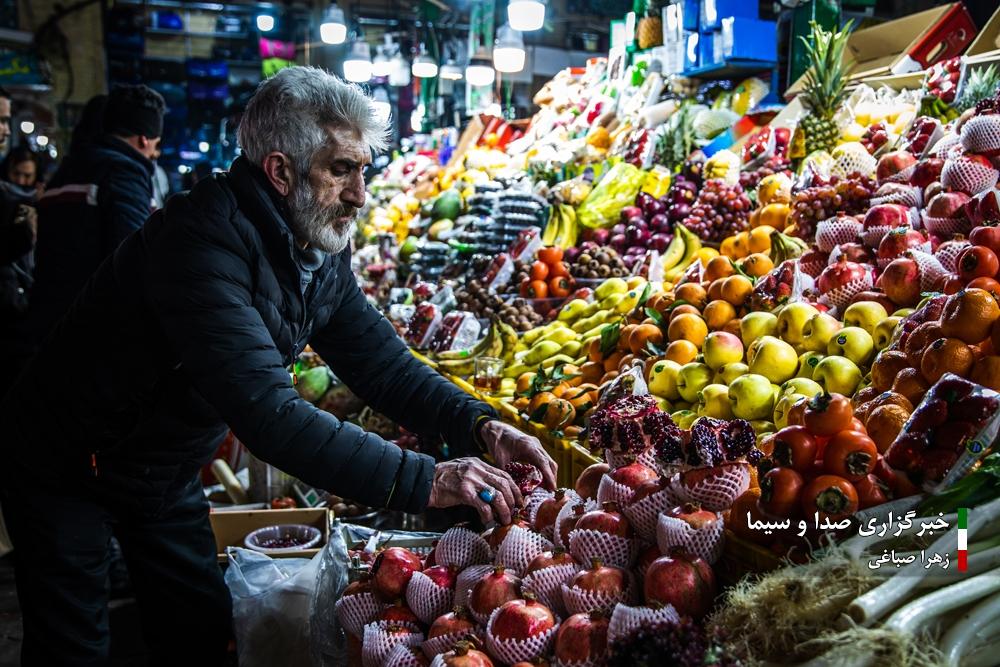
pixel 730 69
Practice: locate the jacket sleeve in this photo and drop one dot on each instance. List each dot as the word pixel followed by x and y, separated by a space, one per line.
pixel 364 351
pixel 199 288
pixel 124 198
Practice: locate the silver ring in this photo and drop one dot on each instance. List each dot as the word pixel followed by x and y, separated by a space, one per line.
pixel 487 494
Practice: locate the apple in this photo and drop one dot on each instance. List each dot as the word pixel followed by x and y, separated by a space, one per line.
pixel 803 386
pixel 756 325
pixel 807 364
pixel 751 397
pixel 792 320
pixel 884 331
pixel 854 343
pixel 684 418
pixel 773 358
pixel 818 331
pixel 721 348
pixel 729 372
pixel 713 401
pixel 763 427
pixel 903 312
pixel 865 314
pixel 837 375
pixel 663 379
pixel 782 407
pixel 692 378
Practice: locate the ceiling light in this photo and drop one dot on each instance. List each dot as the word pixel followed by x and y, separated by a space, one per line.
pixel 203 146
pixel 450 71
pixel 400 74
pixel 27 126
pixel 333 29
pixel 358 65
pixel 381 65
pixel 479 71
pixel 424 66
pixel 380 102
pixel 265 22
pixel 42 140
pixel 508 50
pixel 526 15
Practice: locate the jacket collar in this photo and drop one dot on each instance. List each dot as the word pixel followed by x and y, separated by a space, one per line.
pixel 113 143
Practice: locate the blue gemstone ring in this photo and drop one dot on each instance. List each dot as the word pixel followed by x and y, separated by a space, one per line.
pixel 486 494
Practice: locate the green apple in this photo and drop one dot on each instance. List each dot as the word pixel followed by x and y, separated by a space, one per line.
pixel 803 386
pixel 837 375
pixel 713 401
pixel 763 426
pixel 663 379
pixel 730 372
pixel 664 404
pixel 792 321
pixel 691 379
pixel 773 358
pixel 854 343
pixel 884 331
pixel 721 348
pixel 807 364
pixel 681 405
pixel 752 397
pixel 818 331
pixel 683 418
pixel 904 312
pixel 757 324
pixel 865 314
pixel 782 407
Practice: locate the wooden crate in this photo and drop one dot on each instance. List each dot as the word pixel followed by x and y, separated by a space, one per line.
pixel 740 558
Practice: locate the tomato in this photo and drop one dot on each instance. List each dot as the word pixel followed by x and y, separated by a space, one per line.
pixel 537 289
pixel 872 491
pixel 794 447
pixel 283 503
pixel 558 270
pixel 560 287
pixel 827 414
pixel 851 455
pixel 780 489
pixel 550 255
pixel 829 496
pixel 539 271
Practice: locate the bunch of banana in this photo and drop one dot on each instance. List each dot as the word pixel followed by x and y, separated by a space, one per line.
pixel 561 229
pixel 785 247
pixel 500 341
pixel 680 253
pixel 725 165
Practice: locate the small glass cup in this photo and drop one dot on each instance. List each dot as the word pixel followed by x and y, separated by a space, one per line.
pixel 488 375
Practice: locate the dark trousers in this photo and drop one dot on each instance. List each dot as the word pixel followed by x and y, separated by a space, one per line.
pixel 61 558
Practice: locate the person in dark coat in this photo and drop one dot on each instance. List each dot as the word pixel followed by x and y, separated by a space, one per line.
pixel 187 330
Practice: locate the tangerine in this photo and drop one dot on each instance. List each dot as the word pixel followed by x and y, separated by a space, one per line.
pixel 969 315
pixel 910 384
pixel 591 371
pixel 524 381
pixel 884 424
pixel 594 351
pixel 681 351
pixel 757 265
pixel 987 372
pixel 715 289
pixel 558 413
pixel 892 398
pixel 919 339
pixel 741 244
pixel 625 336
pixel 626 363
pixel 760 239
pixel 754 218
pixel 720 267
pixel 688 327
pixel 693 293
pixel 608 377
pixel 886 367
pixel 728 247
pixel 775 215
pixel 736 289
pixel 540 399
pixel 718 314
pixel 612 360
pixel 683 309
pixel 643 335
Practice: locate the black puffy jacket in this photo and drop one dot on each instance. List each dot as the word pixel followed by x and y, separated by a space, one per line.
pixel 189 326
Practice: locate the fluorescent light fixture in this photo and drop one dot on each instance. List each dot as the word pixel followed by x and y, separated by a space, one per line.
pixel 380 102
pixel 400 74
pixel 424 66
pixel 450 71
pixel 479 71
pixel 333 29
pixel 42 140
pixel 381 65
pixel 358 65
pixel 203 146
pixel 526 15
pixel 27 126
pixel 508 50
pixel 265 22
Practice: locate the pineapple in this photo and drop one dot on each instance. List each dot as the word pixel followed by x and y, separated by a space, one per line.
pixel 649 32
pixel 823 91
pixel 980 84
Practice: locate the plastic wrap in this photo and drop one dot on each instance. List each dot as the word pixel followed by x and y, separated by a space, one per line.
pixel 422 326
pixel 616 190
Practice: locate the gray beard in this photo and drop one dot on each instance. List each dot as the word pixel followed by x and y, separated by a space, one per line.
pixel 317 226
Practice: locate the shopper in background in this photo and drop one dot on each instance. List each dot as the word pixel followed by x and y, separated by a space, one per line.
pixel 20 168
pixel 100 195
pixel 187 332
pixel 161 184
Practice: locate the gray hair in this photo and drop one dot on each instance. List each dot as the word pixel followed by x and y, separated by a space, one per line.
pixel 288 112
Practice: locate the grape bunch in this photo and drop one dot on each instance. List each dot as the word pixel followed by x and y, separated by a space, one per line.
pixel 827 197
pixel 774 164
pixel 682 194
pixel 720 211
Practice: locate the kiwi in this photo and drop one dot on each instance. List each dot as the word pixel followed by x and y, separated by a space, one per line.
pixel 603 271
pixel 583 258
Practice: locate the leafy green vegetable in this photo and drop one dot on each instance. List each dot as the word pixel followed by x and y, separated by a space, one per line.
pixel 976 488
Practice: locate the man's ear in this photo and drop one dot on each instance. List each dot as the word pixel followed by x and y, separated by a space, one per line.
pixel 278 168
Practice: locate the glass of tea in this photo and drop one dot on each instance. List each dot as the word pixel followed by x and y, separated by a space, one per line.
pixel 488 375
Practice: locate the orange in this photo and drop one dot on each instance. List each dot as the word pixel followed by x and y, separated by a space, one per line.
pixel 645 333
pixel 625 335
pixel 775 215
pixel 681 351
pixel 560 389
pixel 540 399
pixel 558 413
pixel 911 384
pixel 757 265
pixel 521 403
pixel 524 382
pixel 760 239
pixel 715 289
pixel 946 355
pixel 919 339
pixel 886 367
pixel 693 293
pixel 661 302
pixel 626 363
pixel 728 247
pixel 688 327
pixel 969 315
pixel 718 314
pixel 892 398
pixel 736 289
pixel 591 371
pixel 573 372
pixel 741 244
pixel 987 372
pixel 995 335
pixel 720 267
pixel 754 218
pixel 594 351
pixel 612 360
pixel 884 424
pixel 683 309
pixel 579 398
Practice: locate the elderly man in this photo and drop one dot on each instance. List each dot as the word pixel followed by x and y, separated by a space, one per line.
pixel 187 329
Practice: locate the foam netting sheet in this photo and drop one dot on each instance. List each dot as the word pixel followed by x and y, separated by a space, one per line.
pixel 812 269
pixel 882 263
pixel 947 146
pixel 981 134
pixel 626 619
pixel 611 491
pixel 510 651
pixel 948 254
pixel 533 501
pixel 705 542
pixel 403 656
pixel 466 579
pixel 377 643
pixel 645 513
pixel 836 230
pixel 426 599
pixel 549 531
pixel 519 548
pixel 968 176
pixel 715 493
pixel 564 512
pixel 462 547
pixel 481 619
pixel 586 545
pixel 546 584
pixel 840 297
pixel 443 643
pixel 579 601
pixel 946 227
pixel 852 157
pixel 647 458
pixel 898 193
pixel 356 611
pixel 872 236
pixel 931 269
pixel 598 661
pixel 901 176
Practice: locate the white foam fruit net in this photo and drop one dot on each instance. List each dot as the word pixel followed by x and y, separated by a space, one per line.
pixel 946 146
pixel 836 230
pixel 616 460
pixel 981 134
pixel 443 643
pixel 840 297
pixel 882 263
pixel 519 548
pixel 812 269
pixel 644 513
pixel 532 502
pixel 579 601
pixel 546 585
pixel 586 545
pixel 705 542
pixel 716 492
pixel 510 651
pixel 931 269
pixel 946 227
pixel 874 234
pixel 852 157
pixel 596 661
pixel 901 176
pixel 356 611
pixel 427 599
pixel 898 193
pixel 462 547
pixel 611 491
pixel 565 512
pixel 466 579
pixel 404 656
pixel 548 531
pixel 947 254
pixel 626 619
pixel 378 642
pixel 968 176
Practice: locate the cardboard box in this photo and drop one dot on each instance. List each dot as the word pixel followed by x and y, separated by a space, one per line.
pixel 749 39
pixel 906 44
pixel 713 11
pixel 987 42
pixel 231 528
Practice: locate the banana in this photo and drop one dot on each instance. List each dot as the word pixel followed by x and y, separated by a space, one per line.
pixel 457 366
pixel 509 337
pixel 552 227
pixel 675 251
pixel 692 244
pixel 474 351
pixel 569 231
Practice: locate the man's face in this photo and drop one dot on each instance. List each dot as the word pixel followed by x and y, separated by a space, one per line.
pixel 325 208
pixel 22 173
pixel 4 122
pixel 149 147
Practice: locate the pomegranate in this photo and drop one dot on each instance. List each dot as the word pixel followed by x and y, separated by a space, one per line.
pixel 926 172
pixel 606 520
pixel 901 282
pixel 693 515
pixel 633 475
pixel 392 570
pixel 465 654
pixel 988 236
pixel 646 558
pixel 557 556
pixel 523 619
pixel 682 580
pixel 897 242
pixel 548 510
pixel 398 612
pixel 526 476
pixel 500 532
pixel 493 590
pixel 892 163
pixel 840 274
pixel 569 522
pixel 601 579
pixel 431 559
pixel 648 488
pixel 456 620
pixel 589 479
pixel 362 585
pixel 442 575
pixel 582 638
pixel 629 424
pixel 886 215
pixel 416 657
pixel 988 207
pixel 947 204
pixel 853 252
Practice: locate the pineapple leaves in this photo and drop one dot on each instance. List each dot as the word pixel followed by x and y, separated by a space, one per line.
pixel 824 81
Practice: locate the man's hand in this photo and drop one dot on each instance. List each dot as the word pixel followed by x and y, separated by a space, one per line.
pixel 459 481
pixel 505 444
